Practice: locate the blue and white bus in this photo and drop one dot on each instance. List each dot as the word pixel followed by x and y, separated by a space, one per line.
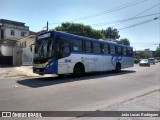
pixel 62 53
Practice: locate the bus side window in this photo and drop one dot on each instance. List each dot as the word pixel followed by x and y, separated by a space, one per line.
pixel 119 51
pixel 112 49
pixel 96 47
pixel 105 49
pixel 64 49
pixel 129 51
pixel 77 45
pixel 88 46
pixel 124 51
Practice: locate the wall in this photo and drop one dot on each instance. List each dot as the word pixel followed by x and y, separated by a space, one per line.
pixel 27 42
pixel 17 55
pixel 7 33
pixel 6 50
pixel 27 57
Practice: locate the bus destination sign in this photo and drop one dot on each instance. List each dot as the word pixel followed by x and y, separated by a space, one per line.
pixel 44 36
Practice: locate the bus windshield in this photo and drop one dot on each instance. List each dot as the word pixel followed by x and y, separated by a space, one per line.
pixel 44 48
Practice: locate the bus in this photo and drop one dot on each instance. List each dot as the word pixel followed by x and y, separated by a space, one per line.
pixel 63 53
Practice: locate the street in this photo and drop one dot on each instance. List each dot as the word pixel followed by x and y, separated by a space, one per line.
pixel 94 91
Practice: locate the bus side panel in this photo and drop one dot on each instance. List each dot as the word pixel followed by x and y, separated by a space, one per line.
pixel 93 62
pixel 127 62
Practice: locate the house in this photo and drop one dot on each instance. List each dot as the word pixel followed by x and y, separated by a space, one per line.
pixel 27 45
pixel 10 32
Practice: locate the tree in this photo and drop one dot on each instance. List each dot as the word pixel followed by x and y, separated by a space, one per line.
pixel 157 52
pixel 124 41
pixel 111 33
pixel 79 29
pixel 143 55
pixel 158 48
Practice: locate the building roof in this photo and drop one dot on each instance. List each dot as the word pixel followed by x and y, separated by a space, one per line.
pixel 29 36
pixel 4 21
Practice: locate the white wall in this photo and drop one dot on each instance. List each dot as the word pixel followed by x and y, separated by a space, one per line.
pixel 6 50
pixel 27 57
pixel 17 33
pixel 17 55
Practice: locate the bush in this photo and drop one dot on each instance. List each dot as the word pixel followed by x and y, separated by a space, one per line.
pixel 136 61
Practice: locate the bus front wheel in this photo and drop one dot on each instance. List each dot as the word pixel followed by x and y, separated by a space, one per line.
pixel 78 70
pixel 118 67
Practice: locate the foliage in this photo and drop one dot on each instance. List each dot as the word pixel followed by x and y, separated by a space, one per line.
pixel 111 33
pixel 88 31
pixel 157 52
pixel 124 41
pixel 136 61
pixel 79 29
pixel 158 48
pixel 143 55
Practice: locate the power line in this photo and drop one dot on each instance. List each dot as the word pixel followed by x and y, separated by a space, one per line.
pixel 141 13
pixel 140 23
pixel 147 10
pixel 123 20
pixel 107 11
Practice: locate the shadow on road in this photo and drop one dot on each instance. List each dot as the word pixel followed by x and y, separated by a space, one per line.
pixel 47 81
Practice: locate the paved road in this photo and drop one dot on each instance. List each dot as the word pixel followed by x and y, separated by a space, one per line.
pixel 92 92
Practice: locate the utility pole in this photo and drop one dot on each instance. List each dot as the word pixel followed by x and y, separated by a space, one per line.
pixel 47 25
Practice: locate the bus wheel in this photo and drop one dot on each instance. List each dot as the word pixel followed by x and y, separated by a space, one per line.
pixel 118 67
pixel 78 71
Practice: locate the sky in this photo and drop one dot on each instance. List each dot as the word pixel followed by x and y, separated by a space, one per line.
pixel 144 32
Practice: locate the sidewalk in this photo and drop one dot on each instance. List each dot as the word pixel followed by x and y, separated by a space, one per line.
pixel 147 102
pixel 29 71
pixel 26 70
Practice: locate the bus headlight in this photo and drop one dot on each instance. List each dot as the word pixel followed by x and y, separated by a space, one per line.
pixel 49 65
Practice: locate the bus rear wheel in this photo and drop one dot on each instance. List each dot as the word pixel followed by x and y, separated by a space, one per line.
pixel 78 71
pixel 118 67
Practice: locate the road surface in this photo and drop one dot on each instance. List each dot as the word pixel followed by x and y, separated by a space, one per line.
pixel 92 92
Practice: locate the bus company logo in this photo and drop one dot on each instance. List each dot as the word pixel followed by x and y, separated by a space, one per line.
pixel 115 59
pixel 6 114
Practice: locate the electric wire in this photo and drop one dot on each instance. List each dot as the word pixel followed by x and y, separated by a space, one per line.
pixel 123 20
pixel 123 6
pixel 140 23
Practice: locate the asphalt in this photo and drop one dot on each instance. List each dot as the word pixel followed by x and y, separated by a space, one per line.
pixel 96 91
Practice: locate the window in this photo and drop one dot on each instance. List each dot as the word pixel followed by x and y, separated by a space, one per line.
pixel 23 34
pixel 129 51
pixel 124 51
pixel 88 46
pixel 105 49
pixel 119 50
pixel 96 48
pixel 64 48
pixel 12 32
pixel 77 45
pixel 112 49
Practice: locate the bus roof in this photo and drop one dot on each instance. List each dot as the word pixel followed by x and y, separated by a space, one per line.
pixel 91 39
